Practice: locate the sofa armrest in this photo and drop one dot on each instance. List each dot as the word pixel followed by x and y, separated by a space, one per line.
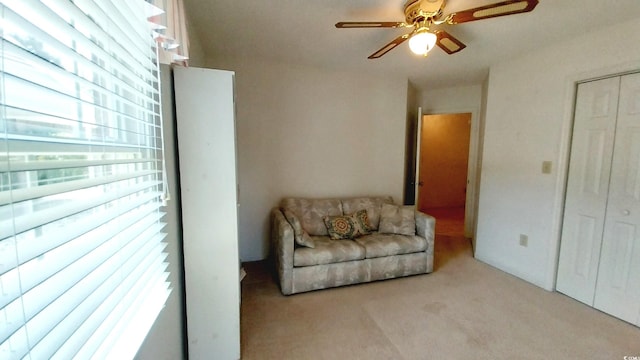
pixel 426 228
pixel 282 244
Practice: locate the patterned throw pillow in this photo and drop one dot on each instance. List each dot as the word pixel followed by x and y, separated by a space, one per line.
pixel 348 226
pixel 361 218
pixel 397 220
pixel 301 236
pixel 340 227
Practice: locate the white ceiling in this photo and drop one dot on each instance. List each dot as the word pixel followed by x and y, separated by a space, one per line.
pixel 302 32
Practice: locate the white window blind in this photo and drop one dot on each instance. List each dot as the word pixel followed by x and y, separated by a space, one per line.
pixel 82 262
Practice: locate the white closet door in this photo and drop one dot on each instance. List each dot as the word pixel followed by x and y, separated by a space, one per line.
pixel 587 188
pixel 618 285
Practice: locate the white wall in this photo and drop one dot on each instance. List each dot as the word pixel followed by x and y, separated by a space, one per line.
pixel 305 131
pixel 451 99
pixel 528 118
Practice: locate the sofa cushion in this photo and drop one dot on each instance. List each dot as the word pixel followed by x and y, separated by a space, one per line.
pixel 348 226
pixel 328 251
pixel 301 237
pixel 379 245
pixel 397 220
pixel 373 206
pixel 312 211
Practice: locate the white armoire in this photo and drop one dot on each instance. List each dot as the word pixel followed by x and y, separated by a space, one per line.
pixel 599 261
pixel 205 114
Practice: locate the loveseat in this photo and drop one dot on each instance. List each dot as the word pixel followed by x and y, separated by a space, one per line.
pixel 322 243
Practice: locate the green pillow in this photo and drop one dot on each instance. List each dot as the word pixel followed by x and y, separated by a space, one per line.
pixel 348 226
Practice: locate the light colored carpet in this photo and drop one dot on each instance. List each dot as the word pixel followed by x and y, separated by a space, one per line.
pixel 464 310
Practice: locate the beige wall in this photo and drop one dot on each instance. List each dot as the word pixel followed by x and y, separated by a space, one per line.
pixel 528 121
pixel 304 131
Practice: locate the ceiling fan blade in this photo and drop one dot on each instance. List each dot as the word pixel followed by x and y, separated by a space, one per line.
pixel 390 46
pixel 368 24
pixel 508 7
pixel 448 43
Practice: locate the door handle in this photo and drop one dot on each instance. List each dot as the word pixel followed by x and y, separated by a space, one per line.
pixel 626 212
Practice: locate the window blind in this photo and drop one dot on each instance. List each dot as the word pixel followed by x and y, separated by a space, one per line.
pixel 82 259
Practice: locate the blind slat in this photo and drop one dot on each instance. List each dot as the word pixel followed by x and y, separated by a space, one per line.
pixel 126 291
pixel 147 301
pixel 59 79
pixel 66 164
pixel 129 51
pixel 41 191
pixel 69 302
pixel 15 19
pixel 81 175
pixel 30 248
pixel 111 22
pixel 24 144
pixel 65 288
pixel 92 332
pixel 31 221
pixel 63 106
pixel 35 272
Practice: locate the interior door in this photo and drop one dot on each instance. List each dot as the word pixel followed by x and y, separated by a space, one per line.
pixel 587 188
pixel 618 284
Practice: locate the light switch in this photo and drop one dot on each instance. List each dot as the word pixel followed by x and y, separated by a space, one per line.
pixel 546 167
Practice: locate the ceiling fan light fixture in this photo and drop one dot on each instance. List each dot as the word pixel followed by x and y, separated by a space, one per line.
pixel 422 42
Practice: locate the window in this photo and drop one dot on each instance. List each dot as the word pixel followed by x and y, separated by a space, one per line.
pixel 82 262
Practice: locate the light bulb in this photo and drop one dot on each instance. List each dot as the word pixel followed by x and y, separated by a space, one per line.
pixel 422 42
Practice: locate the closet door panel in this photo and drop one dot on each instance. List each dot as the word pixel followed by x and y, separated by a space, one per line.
pixel 618 284
pixel 587 188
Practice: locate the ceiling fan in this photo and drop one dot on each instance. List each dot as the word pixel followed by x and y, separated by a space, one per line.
pixel 422 15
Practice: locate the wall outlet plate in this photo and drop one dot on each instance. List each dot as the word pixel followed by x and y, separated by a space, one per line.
pixel 524 240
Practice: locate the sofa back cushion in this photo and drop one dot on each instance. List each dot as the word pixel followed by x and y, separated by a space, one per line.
pixel 373 205
pixel 397 220
pixel 311 212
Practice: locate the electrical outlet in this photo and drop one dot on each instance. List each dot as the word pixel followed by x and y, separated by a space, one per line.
pixel 524 240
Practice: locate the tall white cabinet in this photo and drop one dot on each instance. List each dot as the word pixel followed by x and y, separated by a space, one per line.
pixel 205 113
pixel 600 247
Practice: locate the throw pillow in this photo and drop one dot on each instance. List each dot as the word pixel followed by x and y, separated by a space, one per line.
pixel 301 236
pixel 361 219
pixel 397 220
pixel 340 227
pixel 348 226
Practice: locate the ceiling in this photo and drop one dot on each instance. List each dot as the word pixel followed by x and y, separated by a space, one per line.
pixel 302 32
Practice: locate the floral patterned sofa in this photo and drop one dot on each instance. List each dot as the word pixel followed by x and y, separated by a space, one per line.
pixel 322 243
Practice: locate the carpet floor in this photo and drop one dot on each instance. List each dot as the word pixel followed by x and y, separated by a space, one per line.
pixel 465 309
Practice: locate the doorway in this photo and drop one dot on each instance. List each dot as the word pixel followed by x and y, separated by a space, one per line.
pixel 443 170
